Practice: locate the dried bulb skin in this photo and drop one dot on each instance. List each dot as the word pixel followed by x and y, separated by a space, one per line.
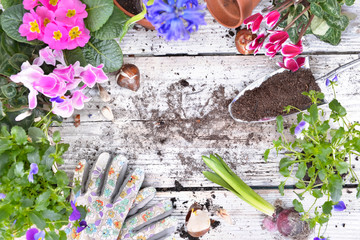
pixel 197 221
pixel 129 77
pixel 242 39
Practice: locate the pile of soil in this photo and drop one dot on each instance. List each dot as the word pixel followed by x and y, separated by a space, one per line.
pixel 132 6
pixel 279 91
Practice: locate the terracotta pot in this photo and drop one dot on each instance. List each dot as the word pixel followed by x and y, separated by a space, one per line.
pixel 143 22
pixel 231 13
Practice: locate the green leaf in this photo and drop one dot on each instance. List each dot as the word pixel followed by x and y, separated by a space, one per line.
pixel 99 12
pixel 19 169
pixel 51 215
pixel 336 107
pixel 8 3
pixel 293 34
pixel 8 90
pixel 26 202
pixel 331 7
pixel 317 193
pixel 281 188
pixel 47 159
pixel 285 172
pixel 339 23
pixel 316 10
pixel 266 154
pixel 300 174
pixel 319 26
pixel 349 2
pixel 19 134
pixel 285 162
pixel 324 127
pixel 61 178
pixel 107 52
pixel 72 56
pixel 62 235
pixel 323 220
pixel 5 213
pixel 113 27
pixel 342 167
pixel 4 145
pixel 51 236
pixel 11 20
pixel 358 192
pixel 17 60
pixel 314 113
pixel 335 187
pixel 280 123
pixel 42 201
pixel 332 36
pixel 327 207
pixel 36 134
pixel 2 113
pixel 300 185
pixel 322 174
pixel 56 137
pixel 37 220
pixel 298 206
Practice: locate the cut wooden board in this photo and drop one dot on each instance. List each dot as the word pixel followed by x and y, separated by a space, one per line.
pixel 247 220
pixel 213 38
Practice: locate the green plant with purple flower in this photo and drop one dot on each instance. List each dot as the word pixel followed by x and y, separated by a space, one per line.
pixel 33 193
pixel 320 157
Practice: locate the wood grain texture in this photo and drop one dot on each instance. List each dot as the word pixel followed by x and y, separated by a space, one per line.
pixel 213 38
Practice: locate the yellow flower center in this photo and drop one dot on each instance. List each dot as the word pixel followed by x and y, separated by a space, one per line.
pixel 57 35
pixel 34 27
pixel 53 2
pixel 62 97
pixel 46 21
pixel 74 33
pixel 70 13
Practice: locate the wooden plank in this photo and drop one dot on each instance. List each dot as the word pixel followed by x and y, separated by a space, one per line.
pixel 342 225
pixel 166 127
pixel 216 39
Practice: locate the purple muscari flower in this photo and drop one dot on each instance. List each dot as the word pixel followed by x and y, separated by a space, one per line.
pixel 34 234
pixel 57 99
pixel 340 206
pixel 83 225
pixel 75 215
pixel 2 196
pixel 317 238
pixel 328 81
pixel 302 126
pixel 176 18
pixel 33 170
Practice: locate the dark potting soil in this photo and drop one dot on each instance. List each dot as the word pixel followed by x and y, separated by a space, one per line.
pixel 279 91
pixel 132 6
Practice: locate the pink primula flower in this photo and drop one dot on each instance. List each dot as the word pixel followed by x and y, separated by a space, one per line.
pixel 52 5
pixel 69 11
pixel 272 18
pixel 46 16
pixel 92 75
pixel 292 50
pixel 31 27
pixel 257 43
pixel 291 64
pixel 30 4
pixel 78 99
pixel 78 35
pixel 253 22
pixel 50 85
pixel 64 109
pixel 49 56
pixel 56 35
pixel 28 75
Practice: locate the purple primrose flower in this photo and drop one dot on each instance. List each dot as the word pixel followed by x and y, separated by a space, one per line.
pixel 33 170
pixel 340 206
pixel 299 128
pixel 75 215
pixel 328 81
pixel 175 19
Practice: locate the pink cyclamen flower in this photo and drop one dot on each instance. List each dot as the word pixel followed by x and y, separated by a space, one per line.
pixel 56 35
pixel 78 99
pixel 291 64
pixel 69 11
pixel 253 22
pixel 272 49
pixel 272 18
pixel 78 35
pixel 257 43
pixel 30 4
pixel 31 27
pixel 49 56
pixel 92 75
pixel 50 85
pixel 52 5
pixel 46 16
pixel 292 50
pixel 278 37
pixel 65 72
pixel 64 109
pixel 28 75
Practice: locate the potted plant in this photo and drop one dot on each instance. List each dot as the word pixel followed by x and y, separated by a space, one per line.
pixel 231 14
pixel 320 157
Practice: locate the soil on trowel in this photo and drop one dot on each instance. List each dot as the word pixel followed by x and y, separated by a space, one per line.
pixel 279 91
pixel 132 6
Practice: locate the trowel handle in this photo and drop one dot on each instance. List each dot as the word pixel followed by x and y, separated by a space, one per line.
pixel 340 69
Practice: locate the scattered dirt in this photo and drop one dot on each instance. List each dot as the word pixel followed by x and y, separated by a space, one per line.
pixel 132 6
pixel 274 94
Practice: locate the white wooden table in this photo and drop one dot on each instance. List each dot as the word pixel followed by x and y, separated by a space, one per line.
pixel 180 113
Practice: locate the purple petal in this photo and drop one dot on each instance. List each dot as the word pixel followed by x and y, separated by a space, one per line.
pixel 109 205
pixel 97 223
pixel 30 233
pixel 335 79
pixel 2 196
pixel 327 83
pixel 93 194
pixel 96 172
pixel 75 215
pixel 101 214
pixel 83 225
pixel 89 199
pixel 39 235
pixel 340 206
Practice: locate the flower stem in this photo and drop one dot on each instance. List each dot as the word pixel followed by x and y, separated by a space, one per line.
pixel 303 30
pixel 297 17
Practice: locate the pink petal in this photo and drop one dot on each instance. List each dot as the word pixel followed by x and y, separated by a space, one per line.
pixel 272 18
pixel 252 18
pixel 300 61
pixel 32 99
pixel 78 99
pixel 88 77
pixel 291 50
pixel 254 22
pixel 291 64
pixel 278 36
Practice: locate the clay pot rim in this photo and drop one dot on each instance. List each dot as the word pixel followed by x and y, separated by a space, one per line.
pixel 143 22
